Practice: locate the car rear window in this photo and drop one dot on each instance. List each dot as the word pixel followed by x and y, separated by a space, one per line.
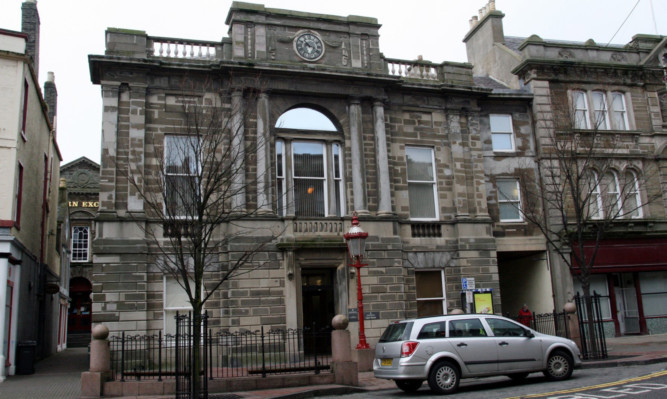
pixel 396 332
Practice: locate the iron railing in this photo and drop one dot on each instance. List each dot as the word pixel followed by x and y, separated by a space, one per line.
pixel 224 353
pixel 593 340
pixel 554 323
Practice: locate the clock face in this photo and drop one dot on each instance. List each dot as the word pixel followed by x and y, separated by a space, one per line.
pixel 309 47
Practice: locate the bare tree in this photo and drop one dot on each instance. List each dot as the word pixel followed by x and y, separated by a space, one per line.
pixel 589 184
pixel 194 192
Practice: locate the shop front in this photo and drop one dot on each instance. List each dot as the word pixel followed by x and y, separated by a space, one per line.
pixel 631 278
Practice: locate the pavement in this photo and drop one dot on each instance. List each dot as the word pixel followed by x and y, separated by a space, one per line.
pixel 58 376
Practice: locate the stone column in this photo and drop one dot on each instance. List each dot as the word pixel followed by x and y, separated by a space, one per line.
pixel 289 180
pixel 110 93
pixel 384 192
pixel 92 381
pixel 345 370
pixel 238 152
pixel 136 150
pixel 357 155
pixel 264 197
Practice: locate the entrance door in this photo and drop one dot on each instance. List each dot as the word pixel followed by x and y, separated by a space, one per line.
pixel 317 290
pixel 626 303
pixel 80 309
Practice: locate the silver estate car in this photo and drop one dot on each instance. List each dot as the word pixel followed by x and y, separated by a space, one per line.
pixel 444 349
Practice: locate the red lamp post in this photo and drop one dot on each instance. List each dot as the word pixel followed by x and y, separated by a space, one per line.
pixel 356 244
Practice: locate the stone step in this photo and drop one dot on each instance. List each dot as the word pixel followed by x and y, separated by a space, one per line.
pixel 78 340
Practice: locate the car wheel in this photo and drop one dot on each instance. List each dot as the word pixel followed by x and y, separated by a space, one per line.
pixel 444 377
pixel 559 366
pixel 518 376
pixel 408 385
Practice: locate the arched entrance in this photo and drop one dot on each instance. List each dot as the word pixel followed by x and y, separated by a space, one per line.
pixel 80 308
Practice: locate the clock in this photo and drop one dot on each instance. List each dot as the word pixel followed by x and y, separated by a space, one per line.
pixel 309 46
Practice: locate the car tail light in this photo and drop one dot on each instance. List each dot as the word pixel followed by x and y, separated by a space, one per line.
pixel 408 348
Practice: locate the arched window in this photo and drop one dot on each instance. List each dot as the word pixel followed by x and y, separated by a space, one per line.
pixel 612 202
pixel 309 170
pixel 590 192
pixel 632 205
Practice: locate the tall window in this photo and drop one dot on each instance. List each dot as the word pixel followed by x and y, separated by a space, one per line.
pixel 632 204
pixel 421 183
pixel 24 108
pixel 312 183
pixel 654 293
pixel 175 300
pixel 580 110
pixel 18 196
pixel 509 200
pixel 502 135
pixel 430 285
pixel 598 284
pixel 80 243
pixel 600 110
pixel 591 190
pixel 180 175
pixel 612 201
pixel 619 113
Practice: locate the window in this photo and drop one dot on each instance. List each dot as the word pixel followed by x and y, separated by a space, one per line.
pixel 504 328
pixel 430 286
pixel 466 328
pixel 580 110
pixel 598 284
pixel 619 114
pixel 18 197
pixel 175 300
pixel 433 330
pixel 591 193
pixel 509 200
pixel 421 183
pixel 654 293
pixel 600 110
pixel 180 176
pixel 24 108
pixel 80 243
pixel 502 136
pixel 612 200
pixel 603 116
pixel 632 203
pixel 311 181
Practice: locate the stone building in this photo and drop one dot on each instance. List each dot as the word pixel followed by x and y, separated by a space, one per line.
pixel 402 143
pixel 33 269
pixel 619 92
pixel 82 177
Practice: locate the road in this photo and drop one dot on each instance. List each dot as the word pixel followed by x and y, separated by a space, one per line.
pixel 645 381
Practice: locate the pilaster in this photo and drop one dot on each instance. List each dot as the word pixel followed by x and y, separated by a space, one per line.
pixel 264 197
pixel 238 153
pixel 357 153
pixel 384 192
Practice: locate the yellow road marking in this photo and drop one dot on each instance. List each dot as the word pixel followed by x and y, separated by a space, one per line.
pixel 605 385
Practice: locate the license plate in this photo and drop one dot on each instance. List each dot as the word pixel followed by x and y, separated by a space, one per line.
pixel 385 362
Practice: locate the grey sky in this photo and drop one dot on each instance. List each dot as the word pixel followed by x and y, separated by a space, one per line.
pixel 72 29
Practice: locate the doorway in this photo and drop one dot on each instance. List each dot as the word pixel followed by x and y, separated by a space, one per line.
pixel 627 309
pixel 80 309
pixel 317 291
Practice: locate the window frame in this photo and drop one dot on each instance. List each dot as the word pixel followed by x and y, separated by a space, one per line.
pixel 74 241
pixel 636 192
pixel 24 109
pixel 509 133
pixel 621 95
pixel 595 193
pixel 332 178
pixel 443 287
pixel 18 196
pixel 590 110
pixel 601 122
pixel 585 110
pixel 507 200
pixel 433 183
pixel 192 174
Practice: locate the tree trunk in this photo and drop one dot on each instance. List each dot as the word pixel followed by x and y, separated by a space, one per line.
pixel 196 366
pixel 593 343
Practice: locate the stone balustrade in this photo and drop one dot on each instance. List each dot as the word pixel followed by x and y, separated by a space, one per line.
pixel 165 47
pixel 423 70
pixel 319 227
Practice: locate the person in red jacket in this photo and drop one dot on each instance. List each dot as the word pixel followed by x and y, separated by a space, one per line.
pixel 525 316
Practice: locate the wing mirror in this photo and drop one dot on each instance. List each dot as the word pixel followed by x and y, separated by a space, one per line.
pixel 528 333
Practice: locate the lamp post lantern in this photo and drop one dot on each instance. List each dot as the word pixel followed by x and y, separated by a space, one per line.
pixel 356 245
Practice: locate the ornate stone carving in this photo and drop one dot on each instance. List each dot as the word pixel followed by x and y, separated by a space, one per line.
pixel 565 54
pixel 618 57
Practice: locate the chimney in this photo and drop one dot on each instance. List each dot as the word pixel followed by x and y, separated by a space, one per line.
pixel 30 26
pixel 51 97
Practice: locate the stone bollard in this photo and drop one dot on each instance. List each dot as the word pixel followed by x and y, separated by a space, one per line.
pixel 92 381
pixel 345 370
pixel 572 323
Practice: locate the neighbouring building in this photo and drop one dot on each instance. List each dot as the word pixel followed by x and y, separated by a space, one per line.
pixel 619 90
pixel 403 143
pixel 82 177
pixel 33 266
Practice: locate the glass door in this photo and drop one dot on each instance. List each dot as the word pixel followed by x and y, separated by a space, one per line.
pixel 626 303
